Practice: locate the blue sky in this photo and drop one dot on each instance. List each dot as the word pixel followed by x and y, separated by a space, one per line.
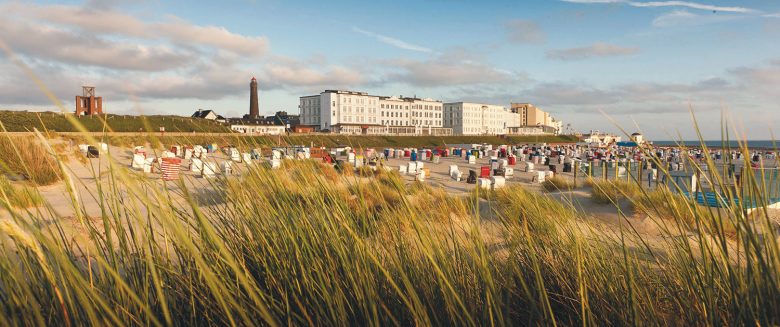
pixel 639 62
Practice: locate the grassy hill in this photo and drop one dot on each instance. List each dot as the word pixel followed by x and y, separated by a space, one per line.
pixel 22 121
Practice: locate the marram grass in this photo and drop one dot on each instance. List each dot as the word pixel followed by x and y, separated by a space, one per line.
pixel 304 245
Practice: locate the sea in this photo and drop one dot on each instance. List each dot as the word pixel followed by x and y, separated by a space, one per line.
pixel 755 144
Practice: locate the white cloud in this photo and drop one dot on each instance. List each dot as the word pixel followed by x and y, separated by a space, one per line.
pixel 594 1
pixel 454 68
pixel 655 4
pixel 111 22
pixel 285 72
pixel 686 18
pixel 674 18
pixel 393 41
pixel 125 57
pixel 46 42
pixel 692 5
pixel 596 50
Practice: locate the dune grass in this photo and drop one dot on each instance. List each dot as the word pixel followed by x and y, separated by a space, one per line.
pixel 18 196
pixel 609 191
pixel 557 183
pixel 26 157
pixel 306 245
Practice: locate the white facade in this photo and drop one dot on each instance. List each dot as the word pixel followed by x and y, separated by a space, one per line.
pixel 351 112
pixel 479 119
pixel 596 138
pixel 259 129
pixel 418 113
pixel 310 110
pixel 330 109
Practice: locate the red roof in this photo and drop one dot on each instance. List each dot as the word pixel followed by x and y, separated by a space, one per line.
pixel 253 78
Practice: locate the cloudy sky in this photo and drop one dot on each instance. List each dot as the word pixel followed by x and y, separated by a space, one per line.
pixel 592 63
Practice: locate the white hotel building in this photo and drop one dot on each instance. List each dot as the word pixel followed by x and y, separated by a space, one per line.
pixel 349 112
pixel 479 119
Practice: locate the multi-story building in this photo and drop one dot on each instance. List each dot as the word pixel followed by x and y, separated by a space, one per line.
pixel 479 119
pixel 344 112
pixel 531 115
pixel 416 116
pixel 310 111
pixel 350 112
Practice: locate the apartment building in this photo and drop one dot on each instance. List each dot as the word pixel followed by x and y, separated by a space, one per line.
pixel 531 115
pixel 467 118
pixel 345 112
pixel 350 112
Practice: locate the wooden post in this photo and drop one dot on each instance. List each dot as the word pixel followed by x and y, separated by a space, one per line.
pixel 576 167
pixel 628 171
pixel 617 169
pixel 639 172
pixel 590 169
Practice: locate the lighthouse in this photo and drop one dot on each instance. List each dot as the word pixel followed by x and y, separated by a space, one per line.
pixel 254 109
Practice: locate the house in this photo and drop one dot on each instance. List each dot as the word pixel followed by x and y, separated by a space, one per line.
pixel 208 114
pixel 256 126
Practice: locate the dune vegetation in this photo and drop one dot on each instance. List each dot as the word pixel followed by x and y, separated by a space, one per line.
pixel 309 245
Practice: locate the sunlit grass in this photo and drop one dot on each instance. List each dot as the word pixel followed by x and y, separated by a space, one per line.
pixel 306 244
pixel 557 183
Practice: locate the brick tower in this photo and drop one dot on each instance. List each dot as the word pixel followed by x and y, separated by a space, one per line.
pixel 254 109
pixel 88 103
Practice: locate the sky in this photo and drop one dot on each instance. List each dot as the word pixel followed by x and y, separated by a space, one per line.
pixel 648 66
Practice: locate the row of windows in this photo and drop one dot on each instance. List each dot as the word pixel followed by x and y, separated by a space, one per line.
pixel 414 114
pixel 406 122
pixel 359 110
pixel 414 106
pixel 359 119
pixel 357 100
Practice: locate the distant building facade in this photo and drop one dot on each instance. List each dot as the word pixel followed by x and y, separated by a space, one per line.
pixel 88 104
pixel 466 118
pixel 351 112
pixel 597 138
pixel 259 129
pixel 259 126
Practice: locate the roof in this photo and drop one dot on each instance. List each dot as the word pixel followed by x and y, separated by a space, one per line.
pixel 636 134
pixel 203 113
